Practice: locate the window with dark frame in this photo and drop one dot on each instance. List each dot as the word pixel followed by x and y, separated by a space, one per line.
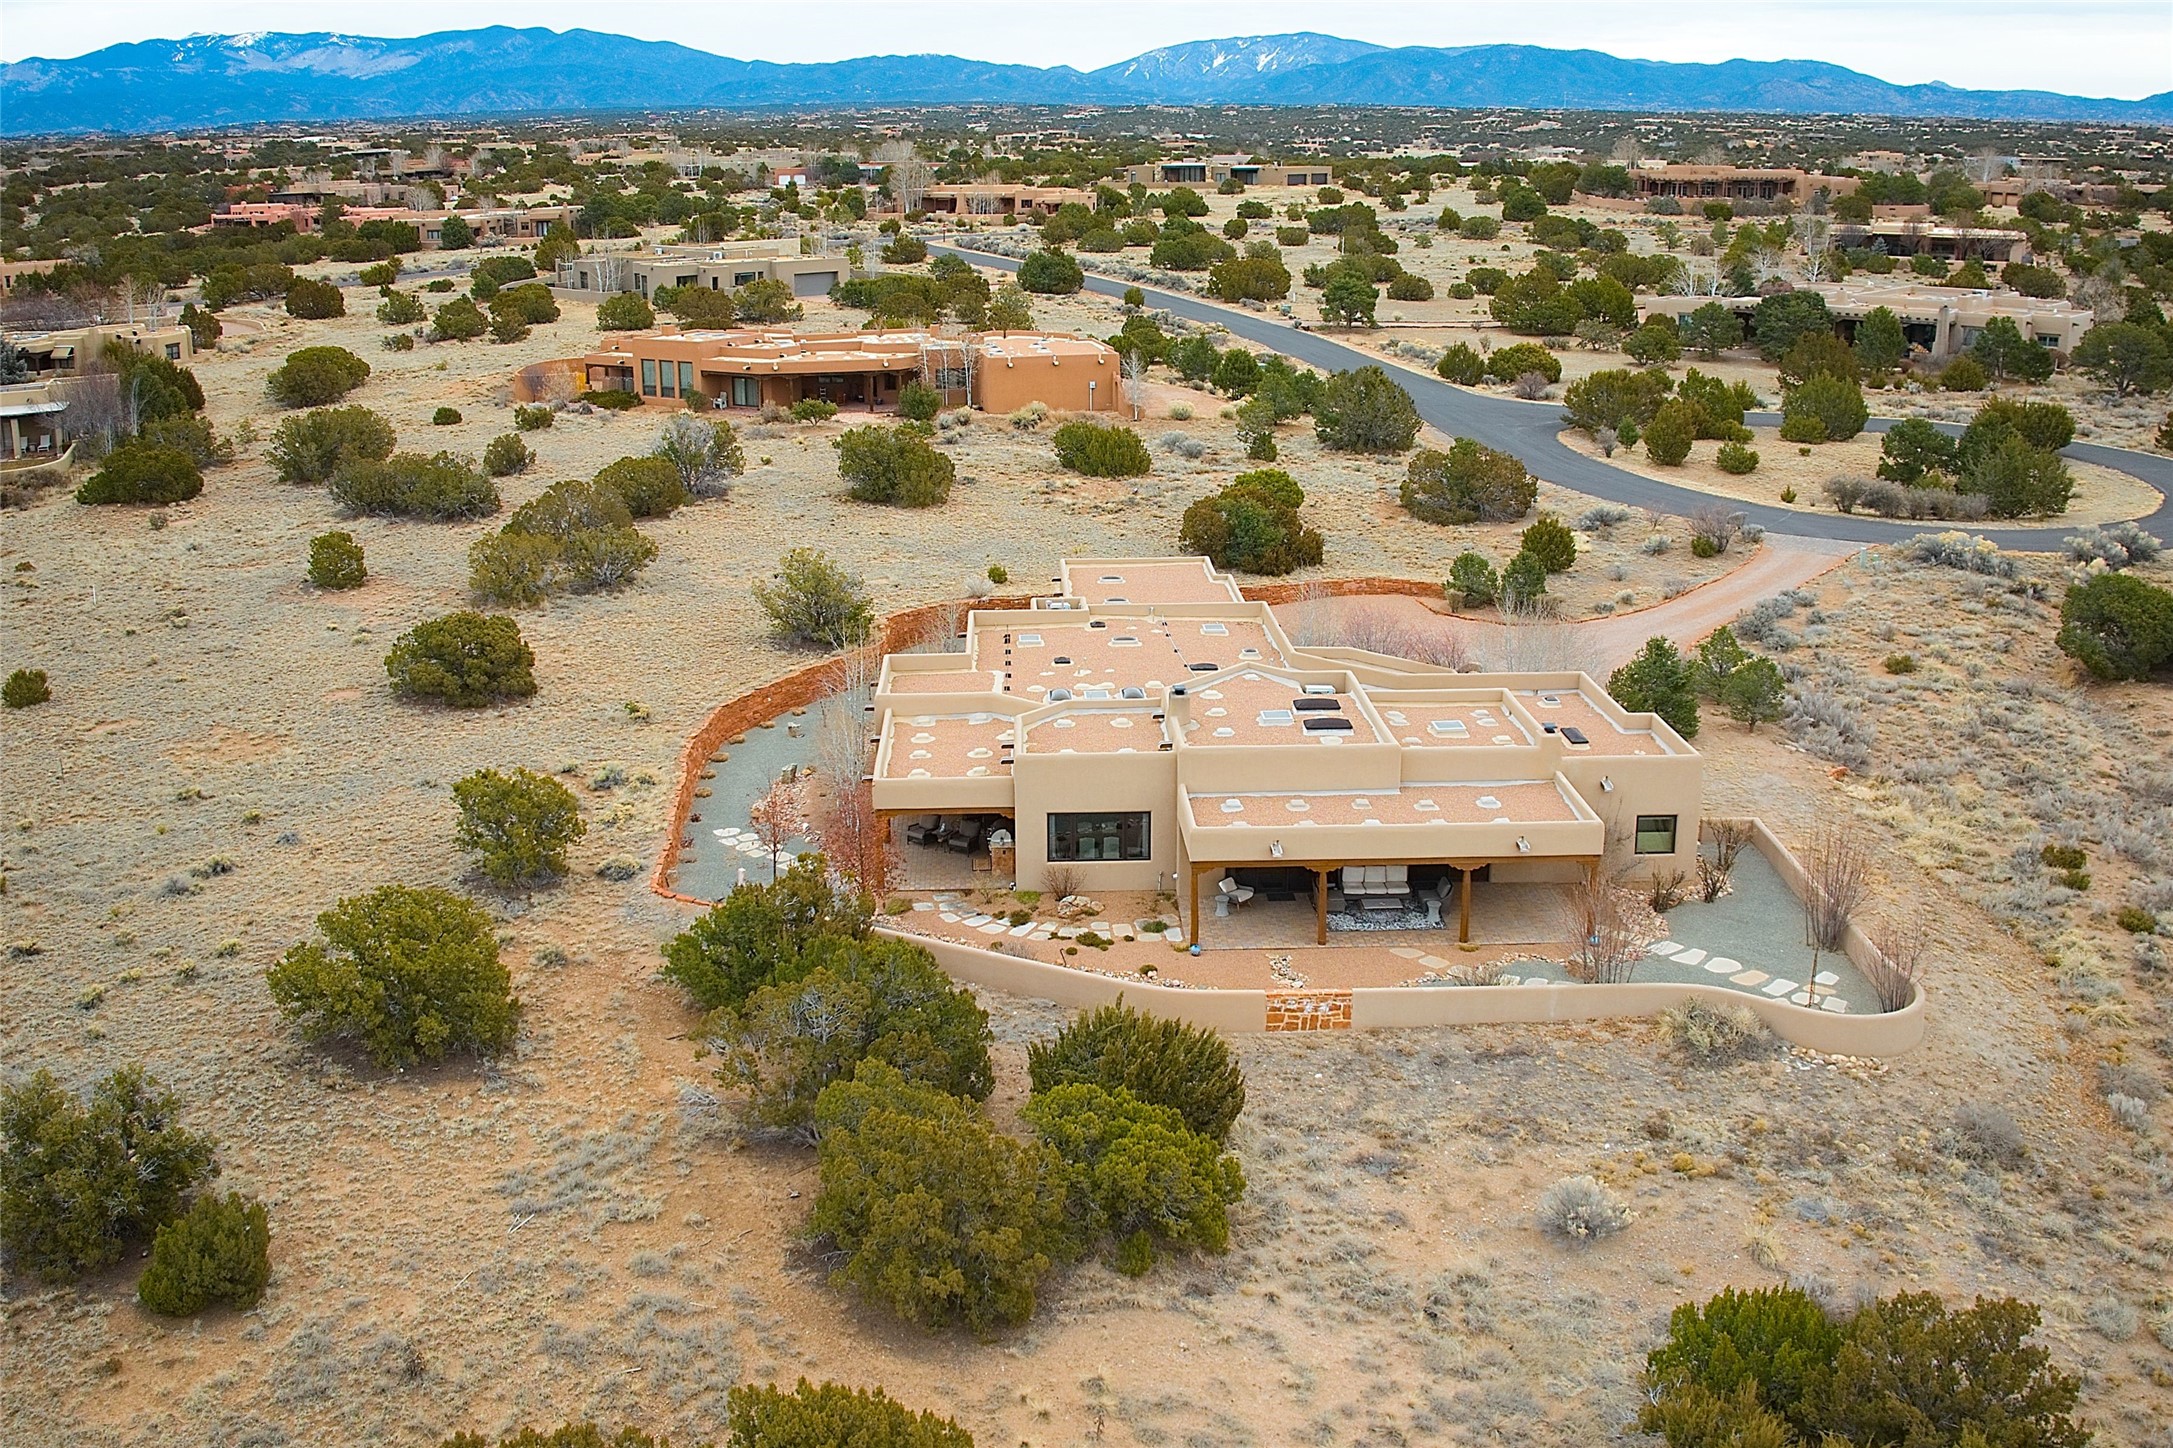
pixel 1089 837
pixel 1656 834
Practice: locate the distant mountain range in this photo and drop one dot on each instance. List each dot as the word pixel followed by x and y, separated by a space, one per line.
pixel 224 80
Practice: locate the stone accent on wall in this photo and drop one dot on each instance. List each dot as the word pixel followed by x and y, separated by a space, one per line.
pixel 1279 593
pixel 1309 1010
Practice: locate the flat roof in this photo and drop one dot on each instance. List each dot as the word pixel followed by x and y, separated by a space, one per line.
pixel 1256 708
pixel 948 746
pixel 1502 802
pixel 1087 655
pixel 1147 581
pixel 1570 709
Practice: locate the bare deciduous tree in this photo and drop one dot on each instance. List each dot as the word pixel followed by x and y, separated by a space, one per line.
pixel 778 817
pixel 1135 383
pixel 1815 235
pixel 1899 965
pixel 1604 947
pixel 1837 874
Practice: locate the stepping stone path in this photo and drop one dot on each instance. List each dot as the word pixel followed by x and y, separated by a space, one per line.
pixel 1406 952
pixel 1721 965
pixel 1749 978
pixel 1666 948
pixel 920 905
pixel 1689 957
pixel 948 918
pixel 1778 987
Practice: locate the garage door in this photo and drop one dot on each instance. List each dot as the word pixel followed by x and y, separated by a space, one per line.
pixel 814 284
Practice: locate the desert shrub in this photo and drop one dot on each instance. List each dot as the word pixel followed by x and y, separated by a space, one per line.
pixel 2016 479
pixel 649 486
pixel 191 435
pixel 2117 626
pixel 1530 386
pixel 1579 1209
pixel 1964 374
pixel 1659 680
pixel 759 934
pixel 1506 364
pixel 530 305
pixel 895 465
pixel 1775 1341
pixel 1988 1133
pixel 400 342
pixel 853 1001
pixel 706 455
pixel 1474 580
pixel 1410 287
pixel 918 402
pixel 1461 364
pixel 459 320
pixel 507 455
pixel 1479 228
pixel 1609 398
pixel 1252 525
pixel 442 487
pixel 1735 458
pixel 535 418
pixel 217 1252
pixel 445 417
pixel 1100 451
pixel 2116 546
pixel 813 409
pixel 1365 411
pixel 314 376
pixel 1824 408
pixel 1909 1360
pixel 492 274
pixel 1713 1035
pixel 760 1416
pixel 625 312
pixel 1134 1172
pixel 1050 273
pixel 1658 342
pixel 517 826
pixel 2047 426
pixel 811 600
pixel 594 544
pixel 932 1212
pixel 26 688
pixel 465 659
pixel 335 561
pixel 400 309
pixel 141 472
pixel 614 400
pixel 312 447
pixel 1668 437
pixel 1187 1068
pixel 1549 541
pixel 83 1180
pixel 1523 580
pixel 1916 454
pixel 406 974
pixel 313 300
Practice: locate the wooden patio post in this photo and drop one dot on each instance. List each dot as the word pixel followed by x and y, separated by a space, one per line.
pixel 1320 907
pixel 1194 923
pixel 1463 912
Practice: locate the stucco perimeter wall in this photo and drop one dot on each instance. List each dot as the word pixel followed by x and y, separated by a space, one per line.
pixel 1274 593
pixel 795 690
pixel 1232 1011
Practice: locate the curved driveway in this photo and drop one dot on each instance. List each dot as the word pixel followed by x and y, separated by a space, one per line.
pixel 1529 430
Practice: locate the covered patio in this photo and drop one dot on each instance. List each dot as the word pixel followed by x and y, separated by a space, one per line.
pixel 1364 901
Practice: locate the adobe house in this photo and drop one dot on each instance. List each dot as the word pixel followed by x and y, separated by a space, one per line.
pixel 998 200
pixel 758 367
pixel 1736 183
pixel 725 266
pixel 62 353
pixel 1147 728
pixel 1944 321
pixel 1214 170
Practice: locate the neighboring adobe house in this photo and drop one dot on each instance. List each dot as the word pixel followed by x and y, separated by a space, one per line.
pixel 1148 729
pixel 997 200
pixel 11 270
pixel 1736 183
pixel 33 422
pixel 1214 170
pixel 757 367
pixel 490 226
pixel 1943 321
pixel 725 266
pixel 62 353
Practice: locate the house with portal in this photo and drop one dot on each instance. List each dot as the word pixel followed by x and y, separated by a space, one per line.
pixel 1146 727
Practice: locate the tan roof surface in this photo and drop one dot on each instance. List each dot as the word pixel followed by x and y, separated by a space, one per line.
pixel 948 746
pixel 1571 707
pixel 1519 802
pixel 1259 708
pixel 1453 725
pixel 1175 580
pixel 944 681
pixel 1097 731
pixel 1128 653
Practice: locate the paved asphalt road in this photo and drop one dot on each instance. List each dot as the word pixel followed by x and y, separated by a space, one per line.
pixel 1528 430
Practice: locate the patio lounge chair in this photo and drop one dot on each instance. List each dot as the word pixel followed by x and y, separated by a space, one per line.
pixel 1354 879
pixel 965 838
pixel 923 830
pixel 1233 895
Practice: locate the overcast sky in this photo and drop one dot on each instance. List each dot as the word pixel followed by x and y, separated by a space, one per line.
pixel 2082 47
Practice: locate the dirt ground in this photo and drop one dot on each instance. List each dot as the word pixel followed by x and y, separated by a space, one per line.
pixel 574 1231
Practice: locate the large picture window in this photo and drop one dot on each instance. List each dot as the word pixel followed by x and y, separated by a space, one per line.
pixel 746 392
pixel 1099 836
pixel 648 376
pixel 1656 834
